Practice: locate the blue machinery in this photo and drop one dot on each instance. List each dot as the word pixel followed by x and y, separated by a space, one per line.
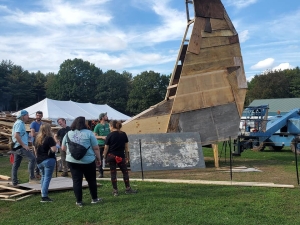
pixel 259 131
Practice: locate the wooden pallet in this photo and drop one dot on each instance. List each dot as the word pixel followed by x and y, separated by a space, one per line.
pixel 8 193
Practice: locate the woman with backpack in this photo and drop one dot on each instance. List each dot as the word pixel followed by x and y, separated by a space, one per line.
pixel 82 151
pixel 116 153
pixel 45 148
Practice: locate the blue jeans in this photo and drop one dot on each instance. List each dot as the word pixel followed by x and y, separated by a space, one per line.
pixel 18 156
pixel 46 169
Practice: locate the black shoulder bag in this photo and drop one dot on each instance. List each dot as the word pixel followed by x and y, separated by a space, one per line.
pixel 77 150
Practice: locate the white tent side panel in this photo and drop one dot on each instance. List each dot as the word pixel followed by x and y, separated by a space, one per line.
pixel 54 109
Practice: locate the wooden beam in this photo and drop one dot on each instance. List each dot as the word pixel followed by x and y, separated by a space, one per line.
pixel 172 86
pixel 3 177
pixel 13 189
pixel 216 155
pixel 195 41
pixel 26 196
pixel 27 192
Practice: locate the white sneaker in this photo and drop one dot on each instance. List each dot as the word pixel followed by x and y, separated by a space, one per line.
pixel 97 200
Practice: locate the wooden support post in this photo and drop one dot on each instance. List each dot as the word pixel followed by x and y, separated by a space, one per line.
pixel 216 154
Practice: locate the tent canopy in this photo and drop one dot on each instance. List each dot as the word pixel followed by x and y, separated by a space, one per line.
pixel 53 109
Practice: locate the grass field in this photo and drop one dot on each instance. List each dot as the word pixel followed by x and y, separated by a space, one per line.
pixel 163 203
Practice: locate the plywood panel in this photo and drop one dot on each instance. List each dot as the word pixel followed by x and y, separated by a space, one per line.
pixel 202 90
pixel 202 82
pixel 173 124
pixel 209 42
pixel 198 67
pixel 209 8
pixel 213 54
pixel 234 85
pixel 217 33
pixel 214 124
pixel 204 99
pixel 163 108
pixel 157 124
pixel 57 183
pixel 241 78
pixel 219 24
pixel 240 99
pixel 191 101
pixel 195 40
pixel 234 39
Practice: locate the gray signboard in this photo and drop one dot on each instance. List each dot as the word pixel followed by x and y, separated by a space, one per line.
pixel 165 151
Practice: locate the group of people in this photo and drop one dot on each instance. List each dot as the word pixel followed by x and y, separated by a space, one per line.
pixel 106 142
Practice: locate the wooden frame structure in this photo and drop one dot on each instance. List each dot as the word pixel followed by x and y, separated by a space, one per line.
pixel 208 85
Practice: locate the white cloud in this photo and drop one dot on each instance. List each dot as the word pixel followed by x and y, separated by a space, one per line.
pixel 264 64
pixel 94 2
pixel 282 66
pixel 172 27
pixel 244 36
pixel 4 8
pixel 59 13
pixel 240 3
pixel 132 59
pixel 65 30
pixel 288 23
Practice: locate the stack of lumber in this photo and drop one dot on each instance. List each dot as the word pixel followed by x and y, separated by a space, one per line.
pixel 6 124
pixel 8 193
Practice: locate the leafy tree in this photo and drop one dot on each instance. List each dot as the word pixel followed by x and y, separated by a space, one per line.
pixel 273 84
pixel 5 94
pixel 112 89
pixel 20 86
pixel 269 85
pixel 294 76
pixel 39 86
pixel 76 80
pixel 148 88
pixel 51 85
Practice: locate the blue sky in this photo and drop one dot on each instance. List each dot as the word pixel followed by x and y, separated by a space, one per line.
pixel 139 35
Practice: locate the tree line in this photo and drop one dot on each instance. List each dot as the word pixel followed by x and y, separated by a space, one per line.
pixel 81 81
pixel 274 84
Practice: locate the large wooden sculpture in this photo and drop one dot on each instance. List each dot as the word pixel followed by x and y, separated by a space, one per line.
pixel 208 85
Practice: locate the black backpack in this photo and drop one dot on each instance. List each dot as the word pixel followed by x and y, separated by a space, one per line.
pixel 77 150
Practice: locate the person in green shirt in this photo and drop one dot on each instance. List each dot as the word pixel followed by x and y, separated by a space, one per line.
pixel 101 130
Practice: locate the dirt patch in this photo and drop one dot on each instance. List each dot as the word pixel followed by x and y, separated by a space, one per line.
pixel 270 172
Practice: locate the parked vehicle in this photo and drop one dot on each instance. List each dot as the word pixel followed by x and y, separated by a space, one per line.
pixel 275 132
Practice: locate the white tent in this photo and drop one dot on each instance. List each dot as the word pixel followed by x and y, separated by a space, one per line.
pixel 53 109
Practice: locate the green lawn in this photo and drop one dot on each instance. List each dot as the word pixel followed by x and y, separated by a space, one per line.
pixel 162 203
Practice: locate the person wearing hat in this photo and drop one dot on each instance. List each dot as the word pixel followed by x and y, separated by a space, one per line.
pixel 101 130
pixel 21 149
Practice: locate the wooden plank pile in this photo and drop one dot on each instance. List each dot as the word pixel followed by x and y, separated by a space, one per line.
pixel 9 193
pixel 6 124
